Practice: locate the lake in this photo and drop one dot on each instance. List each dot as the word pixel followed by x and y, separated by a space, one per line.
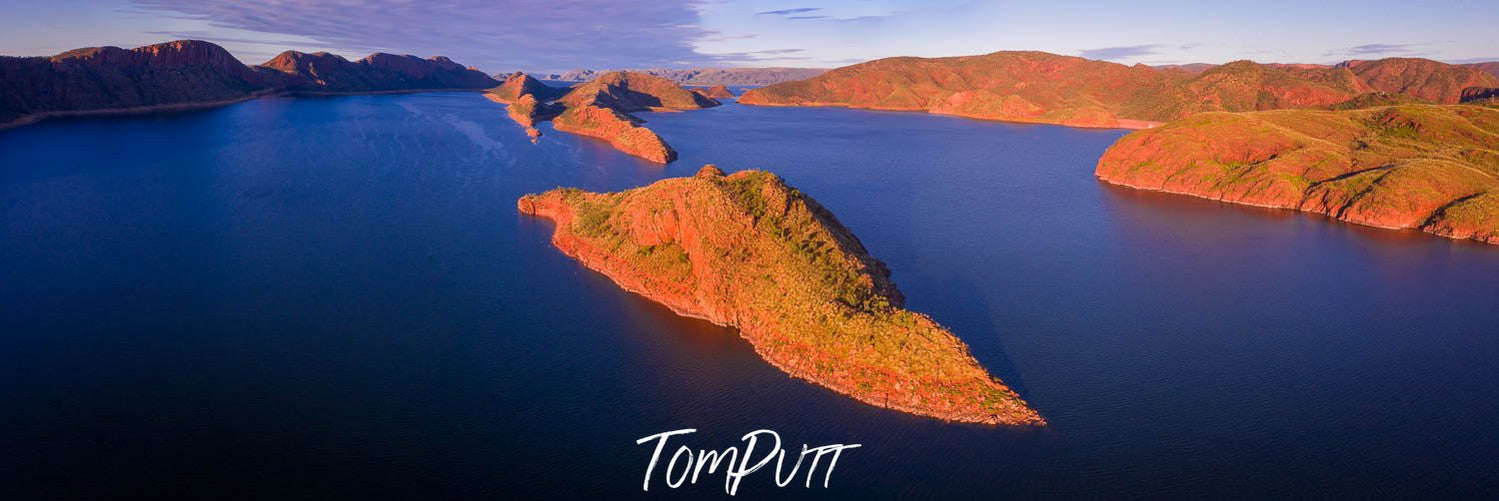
pixel 335 297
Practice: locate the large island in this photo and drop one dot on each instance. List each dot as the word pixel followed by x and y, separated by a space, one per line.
pixel 748 251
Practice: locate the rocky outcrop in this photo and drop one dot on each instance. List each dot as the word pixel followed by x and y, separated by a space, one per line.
pixel 708 76
pixel 1048 88
pixel 620 129
pixel 519 84
pixel 750 252
pixel 1480 95
pixel 627 92
pixel 1428 167
pixel 601 109
pixel 193 74
pixel 379 72
pixel 527 98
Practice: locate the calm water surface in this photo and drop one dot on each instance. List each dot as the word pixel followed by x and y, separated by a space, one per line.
pixel 335 297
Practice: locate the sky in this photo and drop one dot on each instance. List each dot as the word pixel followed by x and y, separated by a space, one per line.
pixel 558 35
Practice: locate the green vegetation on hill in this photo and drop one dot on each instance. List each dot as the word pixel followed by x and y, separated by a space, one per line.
pixel 1432 167
pixel 747 250
pixel 1048 88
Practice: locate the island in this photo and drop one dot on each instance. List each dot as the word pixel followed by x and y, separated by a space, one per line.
pixel 1412 166
pixel 188 74
pixel 715 92
pixel 1039 87
pixel 602 109
pixel 748 251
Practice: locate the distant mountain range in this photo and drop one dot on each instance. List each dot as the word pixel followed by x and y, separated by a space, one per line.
pixel 702 76
pixel 1049 88
pixel 1491 67
pixel 194 74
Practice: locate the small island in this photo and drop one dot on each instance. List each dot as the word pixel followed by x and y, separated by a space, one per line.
pixel 715 92
pixel 748 251
pixel 1428 167
pixel 601 108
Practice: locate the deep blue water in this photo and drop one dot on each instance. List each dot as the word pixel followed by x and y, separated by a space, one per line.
pixel 334 297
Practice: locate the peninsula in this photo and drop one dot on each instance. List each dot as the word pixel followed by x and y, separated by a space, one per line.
pixel 1429 167
pixel 748 251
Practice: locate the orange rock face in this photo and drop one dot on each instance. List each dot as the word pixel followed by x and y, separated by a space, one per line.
pixel 519 84
pixel 1048 88
pixel 1429 167
pixel 748 251
pixel 627 91
pixel 601 109
pixel 619 129
pixel 1421 78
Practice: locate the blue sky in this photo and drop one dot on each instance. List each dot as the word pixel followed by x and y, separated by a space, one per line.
pixel 503 35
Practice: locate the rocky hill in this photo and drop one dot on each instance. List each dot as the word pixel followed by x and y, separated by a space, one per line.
pixel 1420 78
pixel 179 74
pixel 518 84
pixel 191 74
pixel 1048 88
pixel 601 108
pixel 1491 67
pixel 748 251
pixel 716 92
pixel 1428 167
pixel 379 72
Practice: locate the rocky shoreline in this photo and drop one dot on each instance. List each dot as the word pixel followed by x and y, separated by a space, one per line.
pixel 749 252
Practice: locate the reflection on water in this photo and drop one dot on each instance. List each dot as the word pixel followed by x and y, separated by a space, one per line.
pixel 335 296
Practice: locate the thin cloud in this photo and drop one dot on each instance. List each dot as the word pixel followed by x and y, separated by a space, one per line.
pixel 493 36
pixel 788 12
pixel 1377 49
pixel 1473 60
pixel 1124 52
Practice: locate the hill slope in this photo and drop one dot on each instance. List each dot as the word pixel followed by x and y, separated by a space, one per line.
pixel 1431 167
pixel 750 252
pixel 192 73
pixel 1048 88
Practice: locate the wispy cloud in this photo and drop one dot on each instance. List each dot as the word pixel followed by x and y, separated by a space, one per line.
pixel 1473 60
pixel 494 36
pixel 1378 49
pixel 788 12
pixel 1124 52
